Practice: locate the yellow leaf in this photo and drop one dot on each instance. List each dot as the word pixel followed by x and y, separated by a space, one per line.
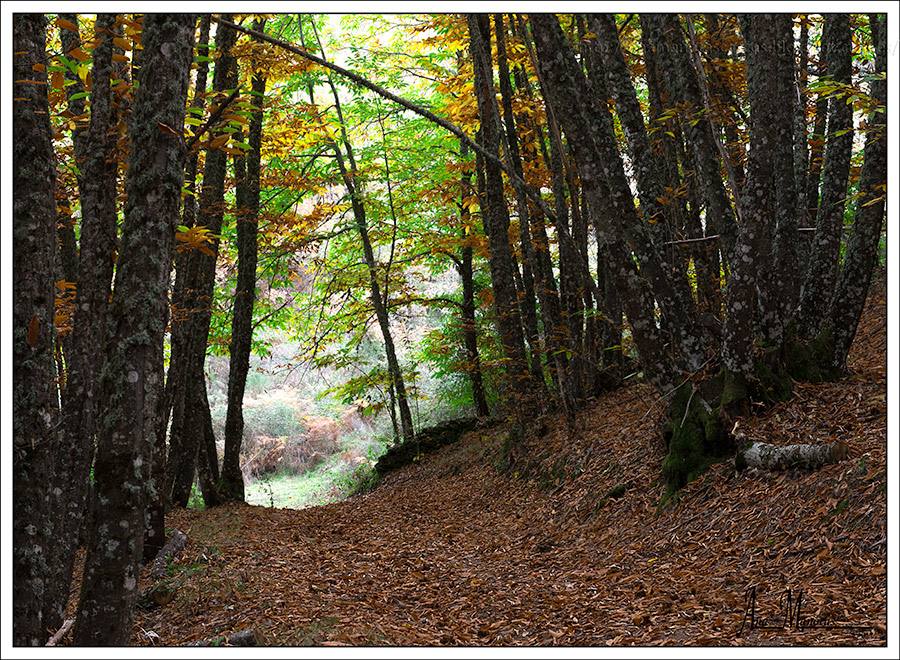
pixel 121 42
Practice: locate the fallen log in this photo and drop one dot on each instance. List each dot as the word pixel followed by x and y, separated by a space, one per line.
pixel 59 634
pixel 169 551
pixel 763 456
pixel 246 637
pixel 426 440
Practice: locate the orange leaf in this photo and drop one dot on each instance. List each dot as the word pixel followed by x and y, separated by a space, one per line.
pixel 63 24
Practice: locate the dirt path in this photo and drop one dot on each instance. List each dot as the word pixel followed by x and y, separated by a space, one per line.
pixel 452 552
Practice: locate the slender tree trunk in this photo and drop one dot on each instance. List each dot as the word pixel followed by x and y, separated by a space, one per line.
pixel 754 242
pixel 816 151
pixel 824 262
pixel 466 275
pixel 98 244
pixel 862 248
pixel 131 383
pixel 801 129
pixel 567 90
pixel 496 219
pixel 781 284
pixel 65 228
pixel 232 482
pixel 726 105
pixel 354 189
pixel 155 536
pixel 665 34
pixel 679 307
pixel 35 403
pixel 535 246
pixel 188 420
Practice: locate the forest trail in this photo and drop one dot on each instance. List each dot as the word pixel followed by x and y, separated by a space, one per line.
pixel 450 551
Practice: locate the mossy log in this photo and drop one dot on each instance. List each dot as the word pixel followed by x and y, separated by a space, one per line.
pixel 248 637
pixel 764 456
pixel 169 551
pixel 426 440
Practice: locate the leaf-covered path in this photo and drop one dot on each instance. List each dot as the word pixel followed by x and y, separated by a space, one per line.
pixel 450 551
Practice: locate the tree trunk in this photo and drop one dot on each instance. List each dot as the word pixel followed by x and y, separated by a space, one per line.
pixel 763 456
pixel 862 247
pixel 35 403
pixel 676 304
pixel 824 262
pixel 187 419
pixel 179 323
pixel 758 200
pixel 535 247
pixel 232 482
pixel 566 89
pixel 131 384
pixel 467 320
pixel 665 34
pixel 98 246
pixel 496 219
pixel 816 151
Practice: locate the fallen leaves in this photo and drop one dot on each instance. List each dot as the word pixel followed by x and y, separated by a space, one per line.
pixel 448 551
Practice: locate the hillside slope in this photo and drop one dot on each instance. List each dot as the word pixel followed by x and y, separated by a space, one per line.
pixel 571 548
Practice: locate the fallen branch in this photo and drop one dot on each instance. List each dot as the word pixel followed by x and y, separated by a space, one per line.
pixel 59 634
pixel 763 456
pixel 168 552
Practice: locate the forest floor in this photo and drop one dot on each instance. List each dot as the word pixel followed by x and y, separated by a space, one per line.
pixel 452 551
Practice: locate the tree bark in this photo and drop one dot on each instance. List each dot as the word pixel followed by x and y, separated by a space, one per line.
pixel 131 384
pixel 496 219
pixel 535 246
pixel 187 420
pixel 754 241
pixel 231 481
pixel 35 404
pixel 567 90
pixel 862 247
pixel 676 304
pixel 98 246
pixel 824 263
pixel 666 36
pixel 467 314
pixel 763 456
pixel 179 336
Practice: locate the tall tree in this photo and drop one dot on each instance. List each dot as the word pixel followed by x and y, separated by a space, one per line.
pixel 862 247
pixel 178 318
pixel 466 276
pixel 35 402
pixel 758 198
pixel 188 414
pixel 496 217
pixel 353 182
pixel 665 33
pixel 97 192
pixel 822 273
pixel 131 383
pixel 231 481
